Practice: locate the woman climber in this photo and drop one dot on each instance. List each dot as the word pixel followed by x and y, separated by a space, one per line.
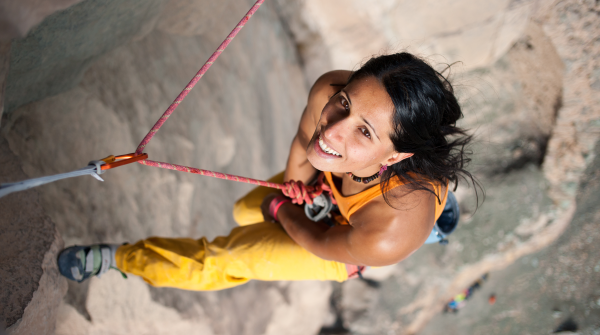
pixel 386 141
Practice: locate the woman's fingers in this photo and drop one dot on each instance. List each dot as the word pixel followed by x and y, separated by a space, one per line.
pixel 300 193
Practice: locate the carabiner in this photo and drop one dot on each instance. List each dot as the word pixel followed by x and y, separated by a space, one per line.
pixel 113 162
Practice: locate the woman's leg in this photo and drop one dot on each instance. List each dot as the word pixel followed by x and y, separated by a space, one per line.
pixel 247 211
pixel 256 250
pixel 261 251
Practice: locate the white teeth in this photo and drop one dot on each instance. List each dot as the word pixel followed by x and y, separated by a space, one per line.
pixel 327 149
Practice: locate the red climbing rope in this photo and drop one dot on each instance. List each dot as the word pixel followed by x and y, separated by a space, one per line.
pixel 299 192
pixel 197 77
pixel 211 173
pixel 182 96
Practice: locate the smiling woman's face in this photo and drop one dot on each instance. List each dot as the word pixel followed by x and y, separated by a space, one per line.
pixel 353 133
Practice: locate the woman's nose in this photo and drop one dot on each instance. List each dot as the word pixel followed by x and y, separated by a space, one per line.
pixel 336 131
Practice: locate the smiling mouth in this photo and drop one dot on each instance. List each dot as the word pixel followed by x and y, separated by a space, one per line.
pixel 327 149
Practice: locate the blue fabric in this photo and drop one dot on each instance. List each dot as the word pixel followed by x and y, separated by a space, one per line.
pixel 447 222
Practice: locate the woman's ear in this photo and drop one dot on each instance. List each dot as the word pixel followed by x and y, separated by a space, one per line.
pixel 398 156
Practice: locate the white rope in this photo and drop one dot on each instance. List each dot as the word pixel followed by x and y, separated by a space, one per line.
pixel 93 169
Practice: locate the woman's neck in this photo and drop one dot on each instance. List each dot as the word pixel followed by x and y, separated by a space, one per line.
pixel 348 187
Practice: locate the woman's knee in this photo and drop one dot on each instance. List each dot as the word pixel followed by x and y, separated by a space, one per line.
pixel 247 209
pixel 245 213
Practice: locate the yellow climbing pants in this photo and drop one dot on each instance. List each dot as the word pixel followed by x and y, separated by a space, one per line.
pixel 256 250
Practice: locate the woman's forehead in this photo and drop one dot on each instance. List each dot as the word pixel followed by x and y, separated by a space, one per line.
pixel 369 98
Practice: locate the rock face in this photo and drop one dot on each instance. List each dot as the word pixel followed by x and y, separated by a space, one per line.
pixel 552 289
pixel 574 27
pixel 181 17
pixel 342 34
pixel 68 52
pixel 4 62
pixel 18 17
pixel 526 86
pixel 31 288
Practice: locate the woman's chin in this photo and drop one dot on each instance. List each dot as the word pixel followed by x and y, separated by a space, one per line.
pixel 319 163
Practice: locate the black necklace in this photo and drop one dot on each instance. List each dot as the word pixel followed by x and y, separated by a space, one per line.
pixel 364 180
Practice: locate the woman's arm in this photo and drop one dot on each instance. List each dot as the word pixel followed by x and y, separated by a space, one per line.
pixel 379 235
pixel 298 167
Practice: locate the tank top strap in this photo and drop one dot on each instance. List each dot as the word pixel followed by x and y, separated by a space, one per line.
pixel 350 204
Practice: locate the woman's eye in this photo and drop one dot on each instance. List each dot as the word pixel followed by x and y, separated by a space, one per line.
pixel 365 132
pixel 345 103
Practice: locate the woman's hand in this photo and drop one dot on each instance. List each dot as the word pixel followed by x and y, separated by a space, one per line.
pixel 300 193
pixel 265 207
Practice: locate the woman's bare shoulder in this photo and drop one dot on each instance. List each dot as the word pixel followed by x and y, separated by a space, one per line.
pixel 393 233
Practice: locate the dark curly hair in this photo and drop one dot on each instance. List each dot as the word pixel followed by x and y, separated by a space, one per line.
pixel 424 120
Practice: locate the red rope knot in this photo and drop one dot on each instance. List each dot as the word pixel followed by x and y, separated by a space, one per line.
pixel 300 193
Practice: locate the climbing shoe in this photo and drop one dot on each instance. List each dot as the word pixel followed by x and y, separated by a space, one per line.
pixel 79 263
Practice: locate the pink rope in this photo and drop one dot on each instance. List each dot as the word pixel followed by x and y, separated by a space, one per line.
pixel 182 96
pixel 211 174
pixel 197 77
pixel 302 191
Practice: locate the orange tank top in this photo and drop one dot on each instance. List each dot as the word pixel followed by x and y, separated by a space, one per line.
pixel 350 204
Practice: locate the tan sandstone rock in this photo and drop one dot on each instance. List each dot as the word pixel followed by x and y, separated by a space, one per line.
pixel 472 32
pixel 18 17
pixel 30 286
pixel 193 17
